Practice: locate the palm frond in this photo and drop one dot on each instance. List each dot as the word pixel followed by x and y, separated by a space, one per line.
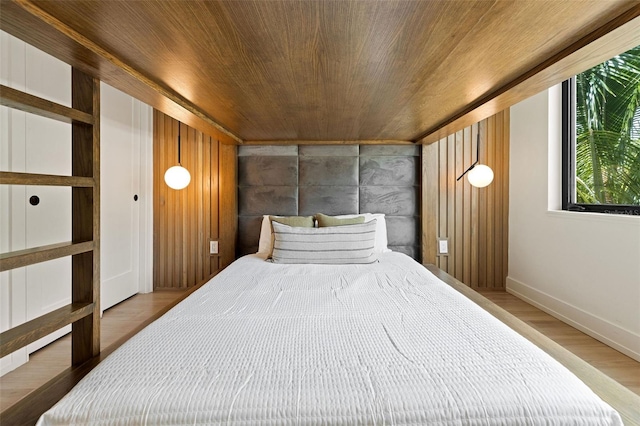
pixel 608 131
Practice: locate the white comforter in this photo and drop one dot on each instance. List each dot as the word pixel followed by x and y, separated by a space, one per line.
pixel 386 343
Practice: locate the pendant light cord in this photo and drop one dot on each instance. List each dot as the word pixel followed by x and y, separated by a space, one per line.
pixel 477 155
pixel 179 144
pixel 477 146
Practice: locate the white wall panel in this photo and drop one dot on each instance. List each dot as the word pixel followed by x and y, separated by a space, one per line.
pixel 583 268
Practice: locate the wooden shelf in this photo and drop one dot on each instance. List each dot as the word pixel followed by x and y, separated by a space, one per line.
pixel 16 178
pixel 25 102
pixel 24 334
pixel 17 259
pixel 84 311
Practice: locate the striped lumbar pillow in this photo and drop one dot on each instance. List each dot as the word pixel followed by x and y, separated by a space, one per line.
pixel 332 245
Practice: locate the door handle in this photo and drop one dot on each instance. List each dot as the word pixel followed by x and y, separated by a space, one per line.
pixel 34 200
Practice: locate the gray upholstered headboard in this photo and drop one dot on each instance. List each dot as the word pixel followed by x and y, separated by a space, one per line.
pixel 332 179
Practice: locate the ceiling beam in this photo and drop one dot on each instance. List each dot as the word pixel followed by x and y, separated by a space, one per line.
pixel 334 142
pixel 77 38
pixel 613 38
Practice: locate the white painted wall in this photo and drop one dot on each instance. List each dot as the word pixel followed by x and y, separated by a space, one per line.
pixel 583 268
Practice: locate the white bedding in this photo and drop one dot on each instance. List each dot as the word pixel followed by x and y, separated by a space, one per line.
pixel 386 343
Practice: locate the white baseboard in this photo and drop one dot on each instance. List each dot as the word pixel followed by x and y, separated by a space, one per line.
pixel 13 361
pixel 608 333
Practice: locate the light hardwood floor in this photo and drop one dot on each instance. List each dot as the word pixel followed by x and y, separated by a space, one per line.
pixel 54 358
pixel 123 318
pixel 614 364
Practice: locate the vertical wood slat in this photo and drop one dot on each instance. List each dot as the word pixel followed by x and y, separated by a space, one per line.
pixel 442 201
pixel 450 206
pixel 186 204
pixel 85 208
pixel 186 220
pixel 159 198
pixel 206 206
pixel 199 254
pixel 475 225
pixel 490 200
pixel 474 220
pixel 458 189
pixel 194 246
pixel 506 146
pixel 466 201
pixel 482 213
pixel 498 194
pixel 215 204
pixel 170 204
pixel 429 212
pixel 227 184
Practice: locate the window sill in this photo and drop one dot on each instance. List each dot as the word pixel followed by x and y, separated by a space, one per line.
pixel 591 216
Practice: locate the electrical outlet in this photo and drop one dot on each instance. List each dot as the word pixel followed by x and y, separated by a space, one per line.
pixel 443 246
pixel 213 247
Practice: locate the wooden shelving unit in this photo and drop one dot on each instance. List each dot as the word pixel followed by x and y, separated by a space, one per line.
pixel 33 330
pixel 16 178
pixel 84 311
pixel 25 102
pixel 17 259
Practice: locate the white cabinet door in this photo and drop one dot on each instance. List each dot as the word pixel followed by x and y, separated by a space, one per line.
pixel 119 212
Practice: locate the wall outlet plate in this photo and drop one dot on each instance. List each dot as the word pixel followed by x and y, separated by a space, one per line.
pixel 443 246
pixel 213 247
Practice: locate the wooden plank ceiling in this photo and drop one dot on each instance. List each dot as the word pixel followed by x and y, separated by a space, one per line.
pixel 323 70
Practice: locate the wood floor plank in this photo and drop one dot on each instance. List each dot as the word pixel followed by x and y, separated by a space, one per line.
pixel 614 364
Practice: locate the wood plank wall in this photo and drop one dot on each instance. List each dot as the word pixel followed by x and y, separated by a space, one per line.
pixel 185 221
pixel 474 220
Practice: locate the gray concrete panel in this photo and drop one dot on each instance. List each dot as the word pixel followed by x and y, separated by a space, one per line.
pixel 389 171
pixel 328 150
pixel 275 200
pixel 328 171
pixel 267 171
pixel 380 150
pixel 331 200
pixel 395 201
pixel 268 150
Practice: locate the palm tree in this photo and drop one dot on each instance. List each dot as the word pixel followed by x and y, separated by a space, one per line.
pixel 608 131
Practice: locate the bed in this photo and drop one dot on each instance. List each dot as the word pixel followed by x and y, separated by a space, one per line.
pixel 380 343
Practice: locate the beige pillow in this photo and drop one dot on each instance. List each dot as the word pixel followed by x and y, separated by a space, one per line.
pixel 293 221
pixel 324 220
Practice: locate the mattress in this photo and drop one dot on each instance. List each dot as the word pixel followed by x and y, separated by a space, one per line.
pixel 384 344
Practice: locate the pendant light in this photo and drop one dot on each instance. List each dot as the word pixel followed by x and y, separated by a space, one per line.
pixel 177 177
pixel 480 175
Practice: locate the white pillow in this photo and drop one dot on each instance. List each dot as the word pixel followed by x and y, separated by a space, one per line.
pixel 266 242
pixel 381 229
pixel 329 245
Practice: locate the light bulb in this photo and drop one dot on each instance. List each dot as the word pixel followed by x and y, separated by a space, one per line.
pixel 177 177
pixel 480 176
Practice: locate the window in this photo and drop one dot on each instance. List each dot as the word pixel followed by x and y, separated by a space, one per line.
pixel 601 137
